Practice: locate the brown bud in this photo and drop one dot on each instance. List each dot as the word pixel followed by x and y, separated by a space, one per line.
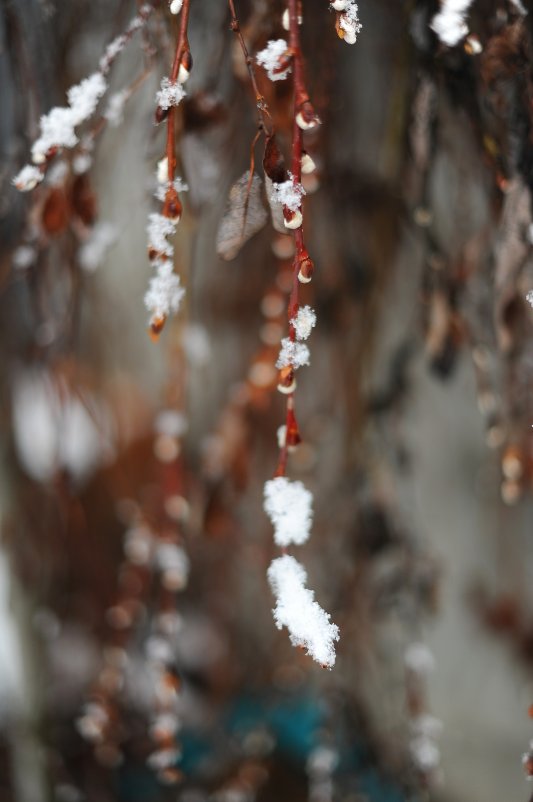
pixel 172 207
pixel 160 115
pixel 156 327
pixel 287 382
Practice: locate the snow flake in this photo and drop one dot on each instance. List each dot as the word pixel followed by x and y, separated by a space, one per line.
pixel 28 178
pixel 289 507
pixel 170 94
pixel 529 297
pixel 159 228
pixel 308 624
pixel 304 321
pixel 164 292
pixel 270 59
pixel 289 193
pixel 293 353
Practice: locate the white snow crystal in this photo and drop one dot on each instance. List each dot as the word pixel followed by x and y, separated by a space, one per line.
pixel 28 178
pixel 529 297
pixel 159 228
pixel 164 292
pixel 289 193
pixel 308 624
pixel 162 189
pixel 83 97
pixel 304 321
pixel 170 94
pixel 175 6
pixel 269 58
pixel 57 127
pixel 292 353
pixel 450 22
pixel 289 507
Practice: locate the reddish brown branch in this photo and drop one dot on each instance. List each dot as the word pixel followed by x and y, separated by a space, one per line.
pixel 182 47
pixel 264 117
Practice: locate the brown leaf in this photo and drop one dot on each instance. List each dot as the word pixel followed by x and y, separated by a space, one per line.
pixel 245 215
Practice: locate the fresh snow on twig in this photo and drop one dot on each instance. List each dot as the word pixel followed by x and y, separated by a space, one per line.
pixel 289 193
pixel 269 58
pixel 28 178
pixel 57 127
pixel 308 624
pixel 450 22
pixel 164 292
pixel 179 185
pixel 293 353
pixel 170 94
pixel 159 228
pixel 303 322
pixel 289 507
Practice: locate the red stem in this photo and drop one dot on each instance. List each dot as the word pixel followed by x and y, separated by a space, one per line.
pixel 181 47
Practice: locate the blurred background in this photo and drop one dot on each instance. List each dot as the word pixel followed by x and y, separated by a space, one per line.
pixel 138 655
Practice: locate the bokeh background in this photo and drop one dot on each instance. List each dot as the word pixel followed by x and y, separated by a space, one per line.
pixel 416 415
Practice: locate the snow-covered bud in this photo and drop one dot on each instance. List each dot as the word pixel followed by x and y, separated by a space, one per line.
pixel 175 6
pixel 276 59
pixel 287 382
pixel 350 36
pixel 185 67
pixel 292 219
pixel 348 24
pixel 339 5
pixel 306 117
pixel 28 178
pixel 308 165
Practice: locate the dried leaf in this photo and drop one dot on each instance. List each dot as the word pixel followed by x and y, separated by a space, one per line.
pixel 245 215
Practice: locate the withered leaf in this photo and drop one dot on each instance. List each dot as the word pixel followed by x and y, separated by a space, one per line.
pixel 245 215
